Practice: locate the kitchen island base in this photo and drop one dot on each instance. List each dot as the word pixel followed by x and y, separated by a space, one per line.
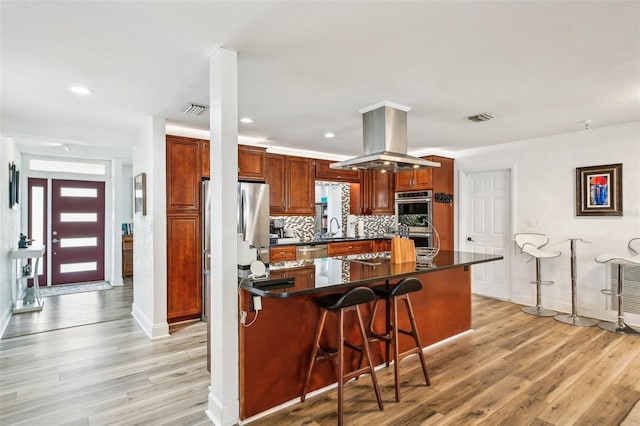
pixel 274 351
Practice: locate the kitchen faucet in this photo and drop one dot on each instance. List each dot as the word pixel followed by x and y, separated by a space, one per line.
pixel 331 226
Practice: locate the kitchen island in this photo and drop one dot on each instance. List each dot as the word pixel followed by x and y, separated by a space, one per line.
pixel 275 349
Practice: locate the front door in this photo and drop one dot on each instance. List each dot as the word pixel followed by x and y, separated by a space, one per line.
pixel 485 228
pixel 77 231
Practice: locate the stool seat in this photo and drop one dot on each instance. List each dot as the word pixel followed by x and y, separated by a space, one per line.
pixel 392 294
pixel 620 261
pixel 352 297
pixel 534 251
pixel 403 287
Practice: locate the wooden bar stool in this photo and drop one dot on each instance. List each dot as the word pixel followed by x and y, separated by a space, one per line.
pixel 393 294
pixel 339 303
pixel 620 326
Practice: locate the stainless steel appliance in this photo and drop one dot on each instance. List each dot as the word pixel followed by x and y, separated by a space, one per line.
pixel 415 211
pixel 311 251
pixel 253 217
pixel 384 128
pixel 206 248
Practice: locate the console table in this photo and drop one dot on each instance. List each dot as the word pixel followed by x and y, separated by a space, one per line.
pixel 25 298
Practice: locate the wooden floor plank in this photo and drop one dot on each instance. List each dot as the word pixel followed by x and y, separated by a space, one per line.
pixel 513 369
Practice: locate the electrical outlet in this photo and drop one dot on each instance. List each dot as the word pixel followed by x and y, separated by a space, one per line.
pixel 243 317
pixel 257 303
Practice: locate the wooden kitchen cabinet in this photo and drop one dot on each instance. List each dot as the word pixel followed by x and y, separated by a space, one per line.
pixel 299 186
pixel 305 276
pixel 324 172
pixel 183 168
pixel 275 164
pixel 282 253
pixel 375 195
pixel 187 161
pixel 205 158
pixel 382 245
pixel 251 163
pixel 184 290
pixel 443 213
pixel 345 248
pixel 127 256
pixel 291 184
pixel 414 180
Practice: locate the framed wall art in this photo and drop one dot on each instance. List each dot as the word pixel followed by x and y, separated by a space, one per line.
pixel 140 194
pixel 14 186
pixel 599 190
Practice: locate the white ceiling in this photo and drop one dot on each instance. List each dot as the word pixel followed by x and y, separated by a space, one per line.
pixel 540 68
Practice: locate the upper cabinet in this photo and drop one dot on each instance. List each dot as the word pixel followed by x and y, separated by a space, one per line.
pixel 414 180
pixel 324 172
pixel 275 164
pixel 251 163
pixel 374 195
pixel 299 186
pixel 205 158
pixel 183 175
pixel 291 184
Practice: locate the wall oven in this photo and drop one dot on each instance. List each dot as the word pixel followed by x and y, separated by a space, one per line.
pixel 414 210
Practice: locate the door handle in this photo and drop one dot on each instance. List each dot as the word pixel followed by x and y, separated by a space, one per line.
pixel 55 240
pixel 469 239
pixel 54 233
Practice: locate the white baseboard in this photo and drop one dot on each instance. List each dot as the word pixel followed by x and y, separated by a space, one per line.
pixel 5 318
pixel 154 331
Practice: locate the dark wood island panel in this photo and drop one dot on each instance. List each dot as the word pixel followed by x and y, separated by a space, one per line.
pixel 274 351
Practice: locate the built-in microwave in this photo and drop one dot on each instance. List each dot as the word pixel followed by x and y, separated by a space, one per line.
pixel 414 210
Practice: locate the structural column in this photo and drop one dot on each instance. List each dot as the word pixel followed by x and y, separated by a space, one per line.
pixel 224 405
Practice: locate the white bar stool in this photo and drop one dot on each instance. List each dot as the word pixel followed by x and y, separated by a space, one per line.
pixel 530 244
pixel 574 318
pixel 620 261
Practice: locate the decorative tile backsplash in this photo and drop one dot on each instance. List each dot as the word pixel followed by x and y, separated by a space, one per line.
pixel 304 226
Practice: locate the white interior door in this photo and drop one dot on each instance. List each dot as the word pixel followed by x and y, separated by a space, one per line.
pixel 485 228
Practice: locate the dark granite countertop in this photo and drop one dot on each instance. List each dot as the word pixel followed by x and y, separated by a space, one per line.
pixel 333 240
pixel 343 272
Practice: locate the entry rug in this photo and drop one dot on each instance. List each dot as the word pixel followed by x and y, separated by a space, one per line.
pixel 58 290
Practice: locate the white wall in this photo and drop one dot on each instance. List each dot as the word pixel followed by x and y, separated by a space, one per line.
pixel 149 233
pixel 544 193
pixel 9 228
pixel 126 197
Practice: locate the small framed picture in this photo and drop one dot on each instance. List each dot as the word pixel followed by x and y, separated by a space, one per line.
pixel 599 190
pixel 140 194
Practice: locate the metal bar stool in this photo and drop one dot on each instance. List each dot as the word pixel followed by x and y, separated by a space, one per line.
pixel 574 318
pixel 530 243
pixel 393 294
pixel 620 261
pixel 339 303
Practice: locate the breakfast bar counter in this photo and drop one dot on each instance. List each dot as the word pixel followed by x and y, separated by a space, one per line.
pixel 275 348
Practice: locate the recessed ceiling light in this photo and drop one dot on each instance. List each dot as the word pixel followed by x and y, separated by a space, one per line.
pixel 81 90
pixel 329 135
pixel 246 120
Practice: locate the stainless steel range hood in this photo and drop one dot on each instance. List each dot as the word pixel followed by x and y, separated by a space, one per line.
pixel 384 128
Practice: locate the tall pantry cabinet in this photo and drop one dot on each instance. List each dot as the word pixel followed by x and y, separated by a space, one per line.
pixel 184 174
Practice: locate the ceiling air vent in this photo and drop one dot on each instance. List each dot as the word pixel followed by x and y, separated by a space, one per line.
pixel 480 117
pixel 194 109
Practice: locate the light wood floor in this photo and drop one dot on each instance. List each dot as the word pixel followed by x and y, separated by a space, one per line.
pixel 514 369
pixel 72 310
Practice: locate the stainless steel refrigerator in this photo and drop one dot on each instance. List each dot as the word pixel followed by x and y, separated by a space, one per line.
pixel 253 217
pixel 206 248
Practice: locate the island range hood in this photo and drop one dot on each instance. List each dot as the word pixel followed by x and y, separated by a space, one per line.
pixel 384 128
